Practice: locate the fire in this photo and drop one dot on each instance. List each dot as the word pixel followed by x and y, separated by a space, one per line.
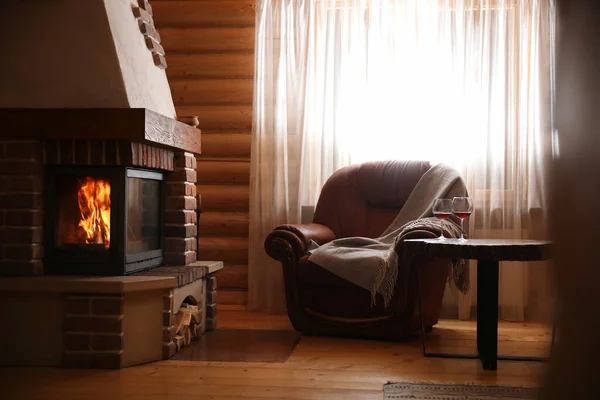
pixel 94 205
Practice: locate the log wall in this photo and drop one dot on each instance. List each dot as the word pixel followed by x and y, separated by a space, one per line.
pixel 210 56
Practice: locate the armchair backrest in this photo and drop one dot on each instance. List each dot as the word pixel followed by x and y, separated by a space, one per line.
pixel 364 199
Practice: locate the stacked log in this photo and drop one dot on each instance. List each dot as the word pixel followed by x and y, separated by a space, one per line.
pixel 188 325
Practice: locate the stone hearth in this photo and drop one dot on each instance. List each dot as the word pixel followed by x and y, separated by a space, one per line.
pixel 102 322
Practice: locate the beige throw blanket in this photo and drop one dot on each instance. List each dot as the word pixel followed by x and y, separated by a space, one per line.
pixel 373 263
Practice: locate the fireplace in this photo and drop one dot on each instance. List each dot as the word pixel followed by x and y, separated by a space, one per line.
pixel 82 177
pixel 103 220
pixel 109 197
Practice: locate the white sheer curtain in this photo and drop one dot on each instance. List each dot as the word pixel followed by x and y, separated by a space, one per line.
pixel 465 82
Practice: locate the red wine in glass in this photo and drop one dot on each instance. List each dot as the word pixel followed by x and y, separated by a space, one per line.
pixel 442 214
pixel 462 207
pixel 462 214
pixel 442 209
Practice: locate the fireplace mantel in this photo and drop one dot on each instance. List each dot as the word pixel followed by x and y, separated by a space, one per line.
pixel 134 124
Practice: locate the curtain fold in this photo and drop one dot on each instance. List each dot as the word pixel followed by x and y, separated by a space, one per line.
pixel 464 82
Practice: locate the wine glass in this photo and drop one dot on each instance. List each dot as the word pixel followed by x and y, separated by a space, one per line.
pixel 462 207
pixel 442 209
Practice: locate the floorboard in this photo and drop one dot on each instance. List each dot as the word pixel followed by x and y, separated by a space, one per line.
pixel 318 368
pixel 242 345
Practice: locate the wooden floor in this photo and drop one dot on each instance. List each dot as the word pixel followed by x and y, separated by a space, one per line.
pixel 319 368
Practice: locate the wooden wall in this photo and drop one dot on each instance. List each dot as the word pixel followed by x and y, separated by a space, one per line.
pixel 210 56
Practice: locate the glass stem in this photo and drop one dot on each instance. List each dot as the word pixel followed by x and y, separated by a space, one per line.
pixel 442 232
pixel 462 237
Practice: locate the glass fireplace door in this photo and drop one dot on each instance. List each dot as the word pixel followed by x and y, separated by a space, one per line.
pixel 144 241
pixel 102 220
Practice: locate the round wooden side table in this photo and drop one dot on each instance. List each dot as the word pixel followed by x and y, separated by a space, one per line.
pixel 488 253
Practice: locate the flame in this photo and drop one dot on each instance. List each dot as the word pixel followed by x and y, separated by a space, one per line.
pixel 94 205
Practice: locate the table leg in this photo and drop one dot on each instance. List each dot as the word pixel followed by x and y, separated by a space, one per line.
pixel 487 313
pixel 421 312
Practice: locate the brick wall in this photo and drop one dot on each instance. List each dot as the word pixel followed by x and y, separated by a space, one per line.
pixel 181 218
pixel 21 208
pixel 211 303
pixel 93 331
pixel 106 152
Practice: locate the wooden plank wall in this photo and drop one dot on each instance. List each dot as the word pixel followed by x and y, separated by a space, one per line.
pixel 210 56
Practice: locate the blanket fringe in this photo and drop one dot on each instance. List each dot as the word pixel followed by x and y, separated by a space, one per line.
pixel 384 281
pixel 459 274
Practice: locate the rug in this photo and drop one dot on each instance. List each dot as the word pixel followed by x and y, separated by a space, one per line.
pixel 435 391
pixel 241 345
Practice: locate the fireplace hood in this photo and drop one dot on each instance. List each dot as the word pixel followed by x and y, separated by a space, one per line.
pixel 81 54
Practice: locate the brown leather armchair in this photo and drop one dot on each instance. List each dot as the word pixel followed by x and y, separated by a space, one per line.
pixel 359 200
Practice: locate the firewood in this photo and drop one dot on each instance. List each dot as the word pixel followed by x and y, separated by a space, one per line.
pixel 197 317
pixel 196 331
pixel 193 331
pixel 183 318
pixel 187 316
pixel 190 306
pixel 179 341
pixel 178 321
pixel 187 336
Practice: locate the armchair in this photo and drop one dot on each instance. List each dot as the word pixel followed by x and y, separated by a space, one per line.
pixel 359 200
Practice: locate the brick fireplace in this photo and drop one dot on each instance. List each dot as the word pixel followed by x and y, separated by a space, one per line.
pixel 30 156
pixel 92 201
pixel 98 203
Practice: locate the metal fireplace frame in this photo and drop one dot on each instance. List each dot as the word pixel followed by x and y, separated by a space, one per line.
pixel 115 260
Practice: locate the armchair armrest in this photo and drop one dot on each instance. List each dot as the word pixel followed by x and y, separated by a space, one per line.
pixel 297 237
